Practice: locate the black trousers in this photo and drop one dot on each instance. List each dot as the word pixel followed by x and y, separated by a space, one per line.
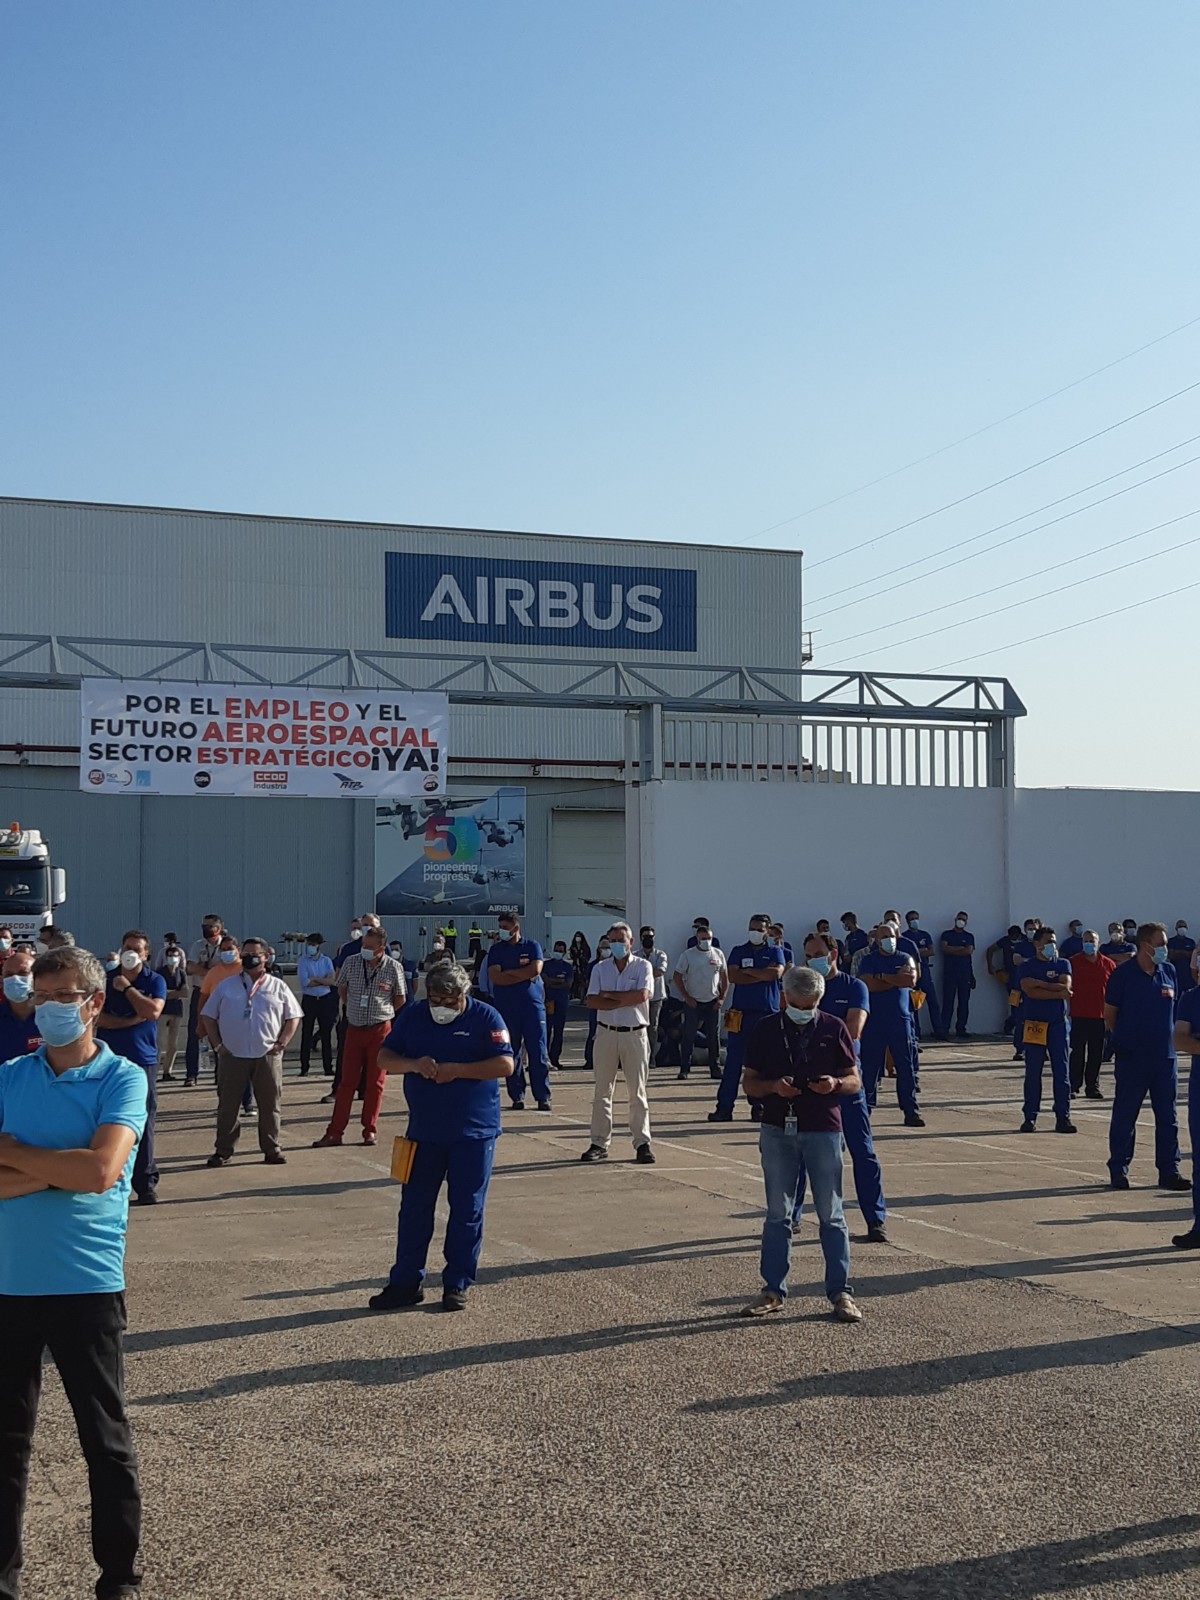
pixel 191 1050
pixel 1087 1045
pixel 320 1016
pixel 83 1335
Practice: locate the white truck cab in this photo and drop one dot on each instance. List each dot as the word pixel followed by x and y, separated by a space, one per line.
pixel 30 888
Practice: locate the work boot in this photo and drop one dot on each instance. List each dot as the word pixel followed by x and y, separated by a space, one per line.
pixel 397 1297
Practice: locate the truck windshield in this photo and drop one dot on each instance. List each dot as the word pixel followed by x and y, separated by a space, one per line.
pixel 24 887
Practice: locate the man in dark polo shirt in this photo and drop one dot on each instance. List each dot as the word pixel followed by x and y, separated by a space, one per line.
pixel 799 1062
pixel 1139 1012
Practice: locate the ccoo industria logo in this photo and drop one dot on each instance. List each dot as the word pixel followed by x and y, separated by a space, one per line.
pixel 518 603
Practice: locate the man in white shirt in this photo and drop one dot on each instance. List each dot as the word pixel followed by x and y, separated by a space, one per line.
pixel 250 1018
pixel 619 992
pixel 701 980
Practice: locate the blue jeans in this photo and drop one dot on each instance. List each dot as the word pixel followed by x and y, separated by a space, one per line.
pixel 784 1156
pixel 1057 1047
pixel 465 1167
pixel 868 1178
pixel 1135 1077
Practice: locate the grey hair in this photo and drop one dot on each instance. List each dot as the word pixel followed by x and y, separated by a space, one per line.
pixel 803 983
pixel 624 925
pixel 451 981
pixel 72 958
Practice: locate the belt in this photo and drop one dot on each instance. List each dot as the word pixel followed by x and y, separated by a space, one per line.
pixel 636 1028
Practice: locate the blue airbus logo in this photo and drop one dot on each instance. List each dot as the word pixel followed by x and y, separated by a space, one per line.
pixel 485 600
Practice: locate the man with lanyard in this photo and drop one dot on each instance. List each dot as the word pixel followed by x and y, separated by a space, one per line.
pixel 452 1051
pixel 203 955
pixel 958 976
pixel 1187 1040
pixel 128 1025
pixel 800 1066
pixel 1045 1030
pixel 755 971
pixel 619 993
pixel 372 989
pixel 1179 953
pixel 1139 1012
pixel 847 999
pixel 931 1010
pixel 250 1019
pixel 515 976
pixel 556 976
pixel 18 1028
pixel 889 975
pixel 1072 945
pixel 70 1116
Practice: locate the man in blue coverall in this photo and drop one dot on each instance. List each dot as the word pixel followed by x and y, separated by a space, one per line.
pixel 128 1025
pixel 889 975
pixel 958 974
pixel 515 977
pixel 1187 1040
pixel 556 976
pixel 846 998
pixel 932 1010
pixel 452 1051
pixel 857 939
pixel 1139 1012
pixel 1045 984
pixel 755 969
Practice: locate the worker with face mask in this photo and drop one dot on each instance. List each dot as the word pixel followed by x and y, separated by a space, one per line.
pixel 958 975
pixel 890 974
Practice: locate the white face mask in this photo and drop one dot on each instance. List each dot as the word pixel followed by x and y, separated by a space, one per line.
pixel 756 936
pixel 130 959
pixel 960 922
pixel 703 944
pixel 443 1014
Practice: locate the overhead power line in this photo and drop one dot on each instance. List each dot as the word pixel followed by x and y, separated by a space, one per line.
pixel 987 427
pixel 1038 527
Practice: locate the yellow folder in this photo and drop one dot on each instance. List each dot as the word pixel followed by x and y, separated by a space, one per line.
pixel 403 1151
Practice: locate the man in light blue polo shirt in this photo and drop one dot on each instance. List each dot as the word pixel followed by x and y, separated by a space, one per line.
pixel 70 1118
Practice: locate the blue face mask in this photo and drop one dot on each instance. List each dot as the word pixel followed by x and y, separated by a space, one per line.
pixel 18 987
pixel 619 949
pixel 888 946
pixel 1049 952
pixel 59 1023
pixel 1089 949
pixel 313 949
pixel 819 964
pixel 229 957
pixel 1159 955
pixel 800 1017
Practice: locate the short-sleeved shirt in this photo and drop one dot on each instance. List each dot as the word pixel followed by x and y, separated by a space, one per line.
pixel 784 953
pixel 557 972
pixel 1145 1004
pixel 375 990
pixel 924 944
pixel 860 939
pixel 888 1003
pixel 509 955
pixel 1072 945
pixel 1118 947
pixel 250 1013
pixel 701 971
pixel 344 951
pixel 204 955
pixel 844 994
pixel 18 1035
pixel 780 1048
pixel 636 974
pixel 1089 981
pixel 659 962
pixel 442 1113
pixel 58 1241
pixel 139 1043
pixel 1043 972
pixel 177 981
pixel 1188 1010
pixel 755 997
pixel 716 943
pixel 959 965
pixel 315 975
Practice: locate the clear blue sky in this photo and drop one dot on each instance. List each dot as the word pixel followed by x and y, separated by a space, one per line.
pixel 672 270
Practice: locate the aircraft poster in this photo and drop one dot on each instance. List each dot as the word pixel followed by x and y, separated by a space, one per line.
pixel 455 855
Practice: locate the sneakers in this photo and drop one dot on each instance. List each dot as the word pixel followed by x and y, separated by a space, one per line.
pixel 1187 1241
pixel 326 1142
pixel 517 1105
pixel 764 1305
pixel 1028 1127
pixel 275 1158
pixel 328 1099
pixel 454 1299
pixel 1065 1125
pixel 594 1152
pixel 1093 1094
pixel 215 1160
pixel 544 1105
pixel 720 1116
pixel 369 1137
pixel 1118 1181
pixel 914 1120
pixel 877 1234
pixel 397 1297
pixel 1177 1182
pixel 644 1156
pixel 844 1309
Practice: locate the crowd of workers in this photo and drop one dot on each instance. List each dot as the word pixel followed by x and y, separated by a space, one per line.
pixel 808 1039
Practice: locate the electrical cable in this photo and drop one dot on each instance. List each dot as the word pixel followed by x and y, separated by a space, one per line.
pixel 966 437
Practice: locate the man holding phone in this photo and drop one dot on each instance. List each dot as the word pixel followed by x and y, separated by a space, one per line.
pixel 800 1062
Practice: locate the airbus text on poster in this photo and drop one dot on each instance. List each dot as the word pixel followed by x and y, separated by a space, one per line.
pixel 460 856
pixel 144 737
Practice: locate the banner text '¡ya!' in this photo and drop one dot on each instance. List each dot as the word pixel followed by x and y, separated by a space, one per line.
pixel 246 709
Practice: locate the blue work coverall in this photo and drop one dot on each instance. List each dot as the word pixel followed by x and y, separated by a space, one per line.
pixel 522 1005
pixel 1054 1013
pixel 889 1027
pixel 755 1001
pixel 1144 1046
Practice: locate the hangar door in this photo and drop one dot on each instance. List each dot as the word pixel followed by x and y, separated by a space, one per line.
pixel 587 871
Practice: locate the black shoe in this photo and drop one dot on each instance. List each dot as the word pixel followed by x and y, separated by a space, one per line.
pixel 1187 1241
pixel 715 1074
pixel 454 1299
pixel 720 1116
pixel 543 1105
pixel 682 1077
pixel 1028 1127
pixel 877 1234
pixel 215 1160
pixel 304 1072
pixel 1118 1181
pixel 275 1158
pixel 149 1197
pixel 644 1156
pixel 755 1113
pixel 397 1297
pixel 914 1120
pixel 1065 1125
pixel 594 1152
pixel 328 1099
pixel 1177 1182
pixel 1093 1094
pixel 1018 1055
pixel 517 1105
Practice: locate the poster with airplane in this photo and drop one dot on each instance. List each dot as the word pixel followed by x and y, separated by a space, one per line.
pixel 451 856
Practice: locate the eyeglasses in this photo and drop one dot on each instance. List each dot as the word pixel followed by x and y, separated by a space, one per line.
pixel 63 995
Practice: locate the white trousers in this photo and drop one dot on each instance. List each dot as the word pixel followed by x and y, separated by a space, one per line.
pixel 612 1054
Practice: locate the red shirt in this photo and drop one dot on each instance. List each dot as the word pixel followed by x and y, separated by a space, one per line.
pixel 1089 980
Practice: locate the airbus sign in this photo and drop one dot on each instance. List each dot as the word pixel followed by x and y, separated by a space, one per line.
pixel 486 601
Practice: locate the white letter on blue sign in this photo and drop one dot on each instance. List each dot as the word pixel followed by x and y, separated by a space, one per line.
pixel 590 616
pixel 558 604
pixel 639 598
pixel 447 600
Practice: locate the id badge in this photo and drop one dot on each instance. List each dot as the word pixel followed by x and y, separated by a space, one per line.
pixel 791 1123
pixel 1035 1033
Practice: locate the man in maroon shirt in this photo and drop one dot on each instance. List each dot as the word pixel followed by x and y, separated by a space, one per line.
pixel 1089 979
